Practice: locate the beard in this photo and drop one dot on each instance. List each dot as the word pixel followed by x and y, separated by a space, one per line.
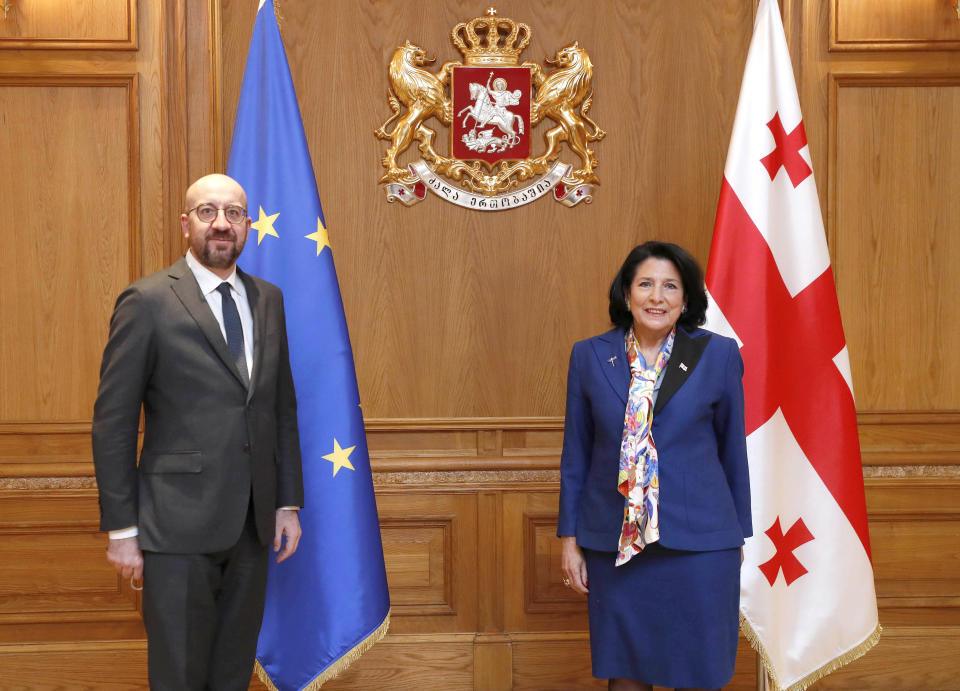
pixel 219 257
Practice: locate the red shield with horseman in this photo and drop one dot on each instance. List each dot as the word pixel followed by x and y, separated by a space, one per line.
pixel 491 113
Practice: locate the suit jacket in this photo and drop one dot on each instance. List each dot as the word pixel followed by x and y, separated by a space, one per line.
pixel 208 439
pixel 698 428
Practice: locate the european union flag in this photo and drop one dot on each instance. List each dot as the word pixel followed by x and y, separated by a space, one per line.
pixel 328 603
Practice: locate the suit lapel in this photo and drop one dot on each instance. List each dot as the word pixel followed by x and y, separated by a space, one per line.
pixel 683 359
pixel 610 352
pixel 188 291
pixel 259 311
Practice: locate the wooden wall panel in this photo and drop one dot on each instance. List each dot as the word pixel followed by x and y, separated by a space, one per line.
pixel 914 658
pixel 562 661
pixel 53 584
pixel 84 142
pixel 903 25
pixel 74 194
pixel 429 548
pixel 413 662
pixel 482 309
pixel 877 124
pixel 79 24
pixel 895 440
pixel 554 662
pixel 44 449
pixel 534 599
pixel 893 230
pixel 93 666
pixel 915 537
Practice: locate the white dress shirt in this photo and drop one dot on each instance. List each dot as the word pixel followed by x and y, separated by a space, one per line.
pixel 209 282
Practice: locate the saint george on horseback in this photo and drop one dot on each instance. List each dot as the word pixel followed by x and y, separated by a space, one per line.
pixel 491 107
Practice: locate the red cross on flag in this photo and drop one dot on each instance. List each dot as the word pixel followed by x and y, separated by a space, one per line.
pixel 807 596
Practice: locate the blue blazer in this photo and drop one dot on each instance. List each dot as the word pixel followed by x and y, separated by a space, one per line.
pixel 698 427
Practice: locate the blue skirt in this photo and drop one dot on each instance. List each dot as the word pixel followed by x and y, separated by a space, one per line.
pixel 667 617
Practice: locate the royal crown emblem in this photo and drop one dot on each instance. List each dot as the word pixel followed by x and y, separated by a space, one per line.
pixel 491 102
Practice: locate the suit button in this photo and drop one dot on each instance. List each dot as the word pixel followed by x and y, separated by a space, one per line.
pixel 246 448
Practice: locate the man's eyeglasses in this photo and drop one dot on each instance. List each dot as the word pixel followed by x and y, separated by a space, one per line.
pixel 207 213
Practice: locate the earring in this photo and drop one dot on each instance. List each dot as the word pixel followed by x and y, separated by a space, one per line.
pixel 684 310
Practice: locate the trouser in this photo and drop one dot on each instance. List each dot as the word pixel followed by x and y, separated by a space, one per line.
pixel 202 613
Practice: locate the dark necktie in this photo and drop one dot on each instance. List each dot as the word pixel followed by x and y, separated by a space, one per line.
pixel 234 329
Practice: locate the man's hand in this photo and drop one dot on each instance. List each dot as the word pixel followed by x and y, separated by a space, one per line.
pixel 288 523
pixel 126 557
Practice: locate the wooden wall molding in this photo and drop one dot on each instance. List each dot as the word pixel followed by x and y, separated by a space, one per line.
pixel 870 76
pixel 882 216
pixel 457 445
pixel 410 662
pixel 215 38
pixel 463 423
pixel 931 472
pixel 47 450
pixel 467 482
pixel 75 199
pixel 909 439
pixel 892 25
pixel 121 36
pixel 47 483
pixel 45 453
pixel 429 548
pixel 38 529
pixel 129 81
pixel 913 498
pixel 429 543
pixel 46 428
pixel 175 47
pixel 543 591
pixel 456 452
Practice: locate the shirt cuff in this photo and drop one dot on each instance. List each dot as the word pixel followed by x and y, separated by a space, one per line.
pixel 288 508
pixel 132 531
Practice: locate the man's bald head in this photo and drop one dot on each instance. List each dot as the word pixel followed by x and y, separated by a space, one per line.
pixel 215 182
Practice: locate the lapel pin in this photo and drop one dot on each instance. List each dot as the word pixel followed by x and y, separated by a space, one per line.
pixel 683 367
pixel 612 360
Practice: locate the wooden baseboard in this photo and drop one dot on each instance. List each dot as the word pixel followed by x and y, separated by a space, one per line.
pixel 915 658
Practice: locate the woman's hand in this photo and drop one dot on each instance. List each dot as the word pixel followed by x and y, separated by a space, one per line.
pixel 572 565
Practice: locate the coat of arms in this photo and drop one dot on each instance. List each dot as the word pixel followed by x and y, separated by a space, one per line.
pixel 491 102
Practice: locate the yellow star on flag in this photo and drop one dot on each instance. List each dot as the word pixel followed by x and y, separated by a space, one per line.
pixel 340 457
pixel 264 226
pixel 320 237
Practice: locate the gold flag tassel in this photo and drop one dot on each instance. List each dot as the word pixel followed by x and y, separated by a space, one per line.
pixel 817 674
pixel 337 667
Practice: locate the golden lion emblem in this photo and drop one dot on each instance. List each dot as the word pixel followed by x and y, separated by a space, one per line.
pixel 491 46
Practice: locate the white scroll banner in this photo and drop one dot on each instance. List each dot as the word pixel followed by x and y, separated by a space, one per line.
pixel 470 200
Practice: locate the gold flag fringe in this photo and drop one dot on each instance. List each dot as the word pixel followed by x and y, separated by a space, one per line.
pixel 834 664
pixel 337 667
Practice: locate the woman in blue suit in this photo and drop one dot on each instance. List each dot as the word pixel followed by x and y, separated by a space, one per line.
pixel 655 490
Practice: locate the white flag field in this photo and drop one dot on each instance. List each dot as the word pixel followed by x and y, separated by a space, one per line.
pixel 808 604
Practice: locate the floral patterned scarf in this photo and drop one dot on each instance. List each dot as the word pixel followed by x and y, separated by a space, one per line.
pixel 639 477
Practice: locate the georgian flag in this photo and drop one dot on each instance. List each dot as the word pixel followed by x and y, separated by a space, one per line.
pixel 807 595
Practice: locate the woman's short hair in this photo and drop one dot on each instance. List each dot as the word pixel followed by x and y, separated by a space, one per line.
pixel 690 274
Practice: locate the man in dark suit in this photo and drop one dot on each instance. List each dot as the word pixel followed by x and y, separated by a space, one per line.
pixel 201 347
